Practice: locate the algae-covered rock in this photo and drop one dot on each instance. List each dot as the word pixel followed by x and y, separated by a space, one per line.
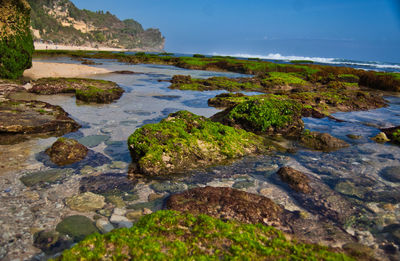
pixel 22 120
pixel 16 44
pixel 66 151
pixel 87 90
pixel 321 141
pixel 85 202
pixel 266 115
pixel 77 227
pixel 51 242
pixel 297 180
pixel 186 141
pixel 170 235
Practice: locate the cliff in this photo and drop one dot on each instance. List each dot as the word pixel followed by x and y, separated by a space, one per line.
pixel 61 22
pixel 16 45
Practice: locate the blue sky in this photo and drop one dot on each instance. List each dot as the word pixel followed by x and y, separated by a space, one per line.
pixel 366 30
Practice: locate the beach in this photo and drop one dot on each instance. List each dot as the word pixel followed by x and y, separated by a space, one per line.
pixel 52 69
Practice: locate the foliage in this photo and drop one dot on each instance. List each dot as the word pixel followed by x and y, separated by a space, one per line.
pixel 16 45
pixel 170 235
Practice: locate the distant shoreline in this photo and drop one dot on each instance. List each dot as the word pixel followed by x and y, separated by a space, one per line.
pixel 45 46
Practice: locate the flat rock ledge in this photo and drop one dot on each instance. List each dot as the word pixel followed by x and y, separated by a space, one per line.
pixel 23 120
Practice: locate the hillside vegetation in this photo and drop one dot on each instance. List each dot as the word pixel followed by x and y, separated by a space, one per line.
pixel 61 22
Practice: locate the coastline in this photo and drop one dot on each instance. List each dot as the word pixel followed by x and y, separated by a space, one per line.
pixel 44 70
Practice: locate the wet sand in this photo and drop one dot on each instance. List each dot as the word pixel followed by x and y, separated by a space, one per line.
pixel 43 69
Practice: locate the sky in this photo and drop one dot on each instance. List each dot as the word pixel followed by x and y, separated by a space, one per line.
pixel 365 30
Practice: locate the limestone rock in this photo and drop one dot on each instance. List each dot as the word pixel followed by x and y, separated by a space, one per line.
pixel 85 202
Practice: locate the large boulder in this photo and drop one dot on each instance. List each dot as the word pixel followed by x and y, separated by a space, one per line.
pixel 16 44
pixel 185 141
pixel 66 151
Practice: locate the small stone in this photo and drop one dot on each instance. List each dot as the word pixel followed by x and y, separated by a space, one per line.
pixel 77 227
pixel 354 137
pixel 32 195
pixel 50 242
pixel 66 151
pixel 296 180
pixel 104 212
pixel 391 174
pixel 85 202
pixel 116 201
pixel 380 138
pixel 119 211
pixel 134 215
pixel 154 196
pixel 388 207
pixel 121 221
pixel 104 225
pixel 147 211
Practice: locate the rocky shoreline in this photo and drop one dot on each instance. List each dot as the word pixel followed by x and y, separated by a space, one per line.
pixel 47 205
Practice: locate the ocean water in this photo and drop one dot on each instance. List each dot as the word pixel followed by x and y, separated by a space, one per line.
pixel 366 65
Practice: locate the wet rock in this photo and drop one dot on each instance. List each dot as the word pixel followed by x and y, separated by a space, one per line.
pixel 66 151
pixel 46 177
pixel 22 120
pixel 393 134
pixel 121 221
pixel 51 242
pixel 105 212
pixel 125 72
pixel 107 184
pixel 321 141
pixel 228 203
pixel 354 136
pixel 297 180
pixel 168 187
pixel 87 90
pixel 77 227
pixel 116 201
pixel 394 232
pixel 154 196
pixel 134 215
pixel 85 202
pixel 351 189
pixel 358 250
pixel 152 205
pixel 93 140
pixel 104 225
pixel 380 138
pixel 243 184
pixel 185 141
pixel 391 174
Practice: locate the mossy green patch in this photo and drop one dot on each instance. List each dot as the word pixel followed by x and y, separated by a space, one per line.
pixel 185 141
pixel 170 235
pixel 264 114
pixel 396 136
pixel 281 78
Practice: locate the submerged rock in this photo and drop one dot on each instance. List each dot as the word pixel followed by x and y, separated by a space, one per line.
pixel 77 227
pixel 87 90
pixel 45 177
pixel 85 202
pixel 393 134
pixel 295 179
pixel 22 120
pixel 321 141
pixel 185 141
pixel 51 242
pixel 269 116
pixel 391 174
pixel 66 151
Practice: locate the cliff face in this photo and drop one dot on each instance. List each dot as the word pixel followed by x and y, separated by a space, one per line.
pixel 62 22
pixel 16 45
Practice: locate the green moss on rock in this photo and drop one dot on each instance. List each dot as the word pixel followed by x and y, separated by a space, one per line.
pixel 16 44
pixel 185 141
pixel 269 115
pixel 171 235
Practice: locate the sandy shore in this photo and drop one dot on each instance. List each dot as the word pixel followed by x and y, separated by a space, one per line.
pixel 43 46
pixel 42 70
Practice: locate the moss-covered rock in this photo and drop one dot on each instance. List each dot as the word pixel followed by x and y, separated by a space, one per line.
pixel 87 90
pixel 171 235
pixel 22 120
pixel 16 44
pixel 66 151
pixel 186 141
pixel 269 115
pixel 77 227
pixel 321 141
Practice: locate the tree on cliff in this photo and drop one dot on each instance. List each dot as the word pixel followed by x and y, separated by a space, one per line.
pixel 16 44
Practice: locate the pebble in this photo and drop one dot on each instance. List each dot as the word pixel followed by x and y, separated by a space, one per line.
pixel 119 211
pixel 104 225
pixel 121 221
